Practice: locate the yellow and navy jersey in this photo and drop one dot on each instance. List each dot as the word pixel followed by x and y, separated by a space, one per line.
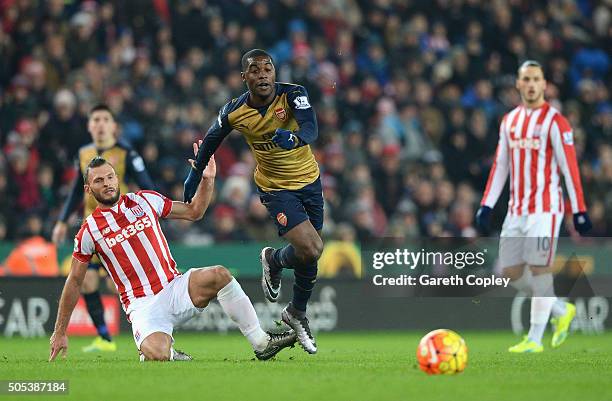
pixel 127 163
pixel 277 168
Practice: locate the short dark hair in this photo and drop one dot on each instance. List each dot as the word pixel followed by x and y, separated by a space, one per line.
pixel 251 54
pixel 530 63
pixel 93 163
pixel 101 107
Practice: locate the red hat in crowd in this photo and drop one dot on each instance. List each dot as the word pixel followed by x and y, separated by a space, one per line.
pixel 391 150
pixel 222 211
pixel 24 126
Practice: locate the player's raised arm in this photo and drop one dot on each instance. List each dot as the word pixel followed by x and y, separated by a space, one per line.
pixel 199 203
pixel 215 135
pixel 70 296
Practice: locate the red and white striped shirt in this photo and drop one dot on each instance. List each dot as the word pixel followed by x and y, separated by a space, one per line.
pixel 535 146
pixel 130 244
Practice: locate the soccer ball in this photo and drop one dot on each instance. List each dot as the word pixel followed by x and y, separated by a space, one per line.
pixel 442 351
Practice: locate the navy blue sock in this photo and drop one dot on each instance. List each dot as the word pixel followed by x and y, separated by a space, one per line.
pixel 284 258
pixel 96 312
pixel 305 279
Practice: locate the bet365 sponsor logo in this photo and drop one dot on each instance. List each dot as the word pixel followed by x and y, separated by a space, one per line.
pixel 525 143
pixel 128 231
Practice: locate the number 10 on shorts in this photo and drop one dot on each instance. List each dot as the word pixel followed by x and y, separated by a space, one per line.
pixel 543 243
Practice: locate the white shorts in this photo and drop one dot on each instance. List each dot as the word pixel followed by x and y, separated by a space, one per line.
pixel 164 310
pixel 530 239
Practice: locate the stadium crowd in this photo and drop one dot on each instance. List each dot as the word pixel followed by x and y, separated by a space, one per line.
pixel 408 93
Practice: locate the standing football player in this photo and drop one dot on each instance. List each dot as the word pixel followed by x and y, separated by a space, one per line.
pixel 535 146
pixel 129 166
pixel 124 231
pixel 279 125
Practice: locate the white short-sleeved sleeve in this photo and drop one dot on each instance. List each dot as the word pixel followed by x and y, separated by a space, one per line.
pixel 160 204
pixel 84 246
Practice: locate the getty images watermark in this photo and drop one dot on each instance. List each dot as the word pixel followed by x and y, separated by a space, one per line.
pixel 472 267
pixel 433 268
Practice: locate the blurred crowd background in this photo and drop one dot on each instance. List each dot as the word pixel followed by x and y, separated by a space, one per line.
pixel 408 94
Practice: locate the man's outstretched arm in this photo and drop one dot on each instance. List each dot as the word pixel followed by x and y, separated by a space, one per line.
pixel 70 296
pixel 199 203
pixel 215 135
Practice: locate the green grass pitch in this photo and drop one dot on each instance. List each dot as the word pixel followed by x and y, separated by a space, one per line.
pixel 349 366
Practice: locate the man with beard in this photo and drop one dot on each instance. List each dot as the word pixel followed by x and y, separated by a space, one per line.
pixel 536 146
pixel 129 166
pixel 124 231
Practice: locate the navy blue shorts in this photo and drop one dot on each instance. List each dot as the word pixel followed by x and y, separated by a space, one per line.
pixel 288 208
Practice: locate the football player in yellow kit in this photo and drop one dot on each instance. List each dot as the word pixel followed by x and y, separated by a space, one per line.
pixel 279 124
